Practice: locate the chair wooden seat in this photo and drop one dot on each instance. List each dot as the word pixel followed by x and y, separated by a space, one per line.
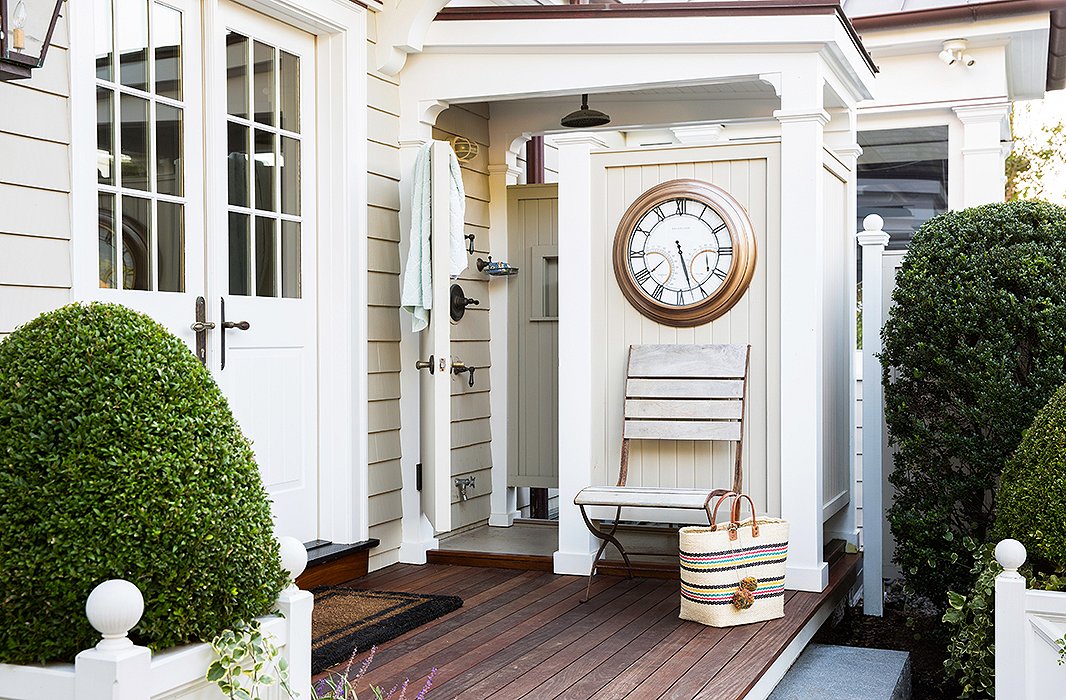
pixel 673 392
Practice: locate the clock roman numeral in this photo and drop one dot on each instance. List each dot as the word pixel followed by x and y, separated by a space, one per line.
pixel 681 298
pixel 716 229
pixel 635 254
pixel 725 250
pixel 705 210
pixel 658 292
pixel 659 213
pixel 719 273
pixel 682 204
pixel 638 229
pixel 642 276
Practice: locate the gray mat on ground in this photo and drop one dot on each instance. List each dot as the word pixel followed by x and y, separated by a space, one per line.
pixel 846 673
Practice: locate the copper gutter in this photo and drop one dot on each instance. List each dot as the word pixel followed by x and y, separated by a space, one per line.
pixel 1056 59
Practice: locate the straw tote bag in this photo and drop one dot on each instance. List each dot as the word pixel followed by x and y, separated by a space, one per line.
pixel 734 573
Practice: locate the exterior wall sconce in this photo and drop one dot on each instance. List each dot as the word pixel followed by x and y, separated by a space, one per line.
pixel 26 28
pixel 954 54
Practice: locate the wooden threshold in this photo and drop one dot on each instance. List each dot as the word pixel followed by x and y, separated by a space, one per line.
pixel 331 564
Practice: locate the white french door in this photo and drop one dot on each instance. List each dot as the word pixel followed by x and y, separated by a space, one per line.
pixel 205 172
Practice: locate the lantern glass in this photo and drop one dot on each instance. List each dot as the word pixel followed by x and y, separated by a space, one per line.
pixel 27 29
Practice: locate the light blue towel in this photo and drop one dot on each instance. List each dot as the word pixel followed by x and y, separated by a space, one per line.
pixel 417 294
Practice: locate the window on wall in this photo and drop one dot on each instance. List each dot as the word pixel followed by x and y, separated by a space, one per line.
pixel 903 176
pixel 139 142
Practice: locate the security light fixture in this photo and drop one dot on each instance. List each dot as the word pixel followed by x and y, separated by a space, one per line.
pixel 26 28
pixel 954 53
pixel 584 118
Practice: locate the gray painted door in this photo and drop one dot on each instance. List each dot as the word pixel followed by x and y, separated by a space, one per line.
pixel 533 337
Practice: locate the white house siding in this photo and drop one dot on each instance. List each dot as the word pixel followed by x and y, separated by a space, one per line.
pixel 35 273
pixel 471 437
pixel 383 342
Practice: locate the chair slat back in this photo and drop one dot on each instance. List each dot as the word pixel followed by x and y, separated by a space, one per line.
pixel 685 392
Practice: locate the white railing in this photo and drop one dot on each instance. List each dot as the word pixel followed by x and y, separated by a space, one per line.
pixel 116 669
pixel 1029 625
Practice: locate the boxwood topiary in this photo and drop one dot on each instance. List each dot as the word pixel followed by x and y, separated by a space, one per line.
pixel 119 458
pixel 973 347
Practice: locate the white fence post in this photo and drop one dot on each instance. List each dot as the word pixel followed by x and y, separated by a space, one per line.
pixel 296 606
pixel 873 240
pixel 1011 664
pixel 115 669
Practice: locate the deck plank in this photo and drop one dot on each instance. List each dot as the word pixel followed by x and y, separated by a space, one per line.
pixel 525 634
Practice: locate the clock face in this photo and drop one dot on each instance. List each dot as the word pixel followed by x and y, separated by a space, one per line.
pixel 684 252
pixel 680 252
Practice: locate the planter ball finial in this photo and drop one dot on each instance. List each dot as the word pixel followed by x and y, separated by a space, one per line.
pixel 113 608
pixel 873 222
pixel 293 556
pixel 1010 554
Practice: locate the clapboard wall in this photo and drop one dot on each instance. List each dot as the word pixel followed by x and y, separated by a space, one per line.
pixel 750 174
pixel 35 226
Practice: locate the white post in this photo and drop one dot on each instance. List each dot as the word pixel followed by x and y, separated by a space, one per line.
pixel 983 152
pixel 802 119
pixel 503 500
pixel 577 344
pixel 115 669
pixel 296 606
pixel 1010 622
pixel 873 240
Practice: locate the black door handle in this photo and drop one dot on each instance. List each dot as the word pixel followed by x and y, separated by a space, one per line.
pixel 239 325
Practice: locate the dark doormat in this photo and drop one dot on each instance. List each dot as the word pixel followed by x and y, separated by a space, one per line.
pixel 345 619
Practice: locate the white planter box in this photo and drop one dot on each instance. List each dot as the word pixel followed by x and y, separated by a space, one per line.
pixel 116 669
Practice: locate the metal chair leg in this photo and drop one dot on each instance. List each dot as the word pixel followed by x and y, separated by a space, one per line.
pixel 607 537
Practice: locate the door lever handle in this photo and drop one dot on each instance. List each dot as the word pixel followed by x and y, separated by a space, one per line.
pixel 201 326
pixel 239 325
pixel 425 364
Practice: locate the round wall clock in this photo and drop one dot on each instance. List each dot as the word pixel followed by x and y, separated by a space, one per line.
pixel 684 253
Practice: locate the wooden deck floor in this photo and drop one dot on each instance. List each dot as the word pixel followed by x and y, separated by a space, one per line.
pixel 525 634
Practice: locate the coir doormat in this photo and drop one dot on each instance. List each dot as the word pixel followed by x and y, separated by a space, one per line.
pixel 346 618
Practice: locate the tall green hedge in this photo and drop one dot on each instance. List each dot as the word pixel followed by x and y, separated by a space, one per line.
pixel 119 458
pixel 974 345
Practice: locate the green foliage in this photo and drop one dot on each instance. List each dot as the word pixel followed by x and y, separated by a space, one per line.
pixel 971 653
pixel 1034 155
pixel 247 662
pixel 973 347
pixel 1032 497
pixel 119 458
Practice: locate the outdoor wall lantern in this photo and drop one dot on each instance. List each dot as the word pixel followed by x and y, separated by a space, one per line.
pixel 26 28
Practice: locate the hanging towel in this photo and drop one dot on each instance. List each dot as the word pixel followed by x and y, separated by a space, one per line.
pixel 417 296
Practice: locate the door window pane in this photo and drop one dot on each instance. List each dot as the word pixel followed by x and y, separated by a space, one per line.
pixel 264 97
pixel 290 91
pixel 167 28
pixel 106 204
pixel 136 243
pixel 290 260
pixel 168 150
pixel 105 136
pixel 290 175
pixel 104 39
pixel 265 157
pixel 238 164
pixel 134 157
pixel 240 269
pixel 237 75
pixel 131 31
pixel 170 217
pixel 265 257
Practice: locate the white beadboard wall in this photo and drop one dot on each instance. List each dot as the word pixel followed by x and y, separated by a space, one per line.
pixel 750 174
pixel 35 226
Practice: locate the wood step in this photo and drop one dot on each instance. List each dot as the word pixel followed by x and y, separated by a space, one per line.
pixel 334 563
pixel 460 557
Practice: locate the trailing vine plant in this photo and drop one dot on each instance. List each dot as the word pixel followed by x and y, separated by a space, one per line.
pixel 248 661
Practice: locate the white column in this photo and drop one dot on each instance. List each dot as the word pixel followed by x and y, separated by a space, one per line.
pixel 114 669
pixel 983 129
pixel 802 290
pixel 1011 632
pixel 873 241
pixel 296 606
pixel 504 507
pixel 577 346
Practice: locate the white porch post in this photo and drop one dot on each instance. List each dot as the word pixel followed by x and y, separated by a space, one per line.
pixel 873 241
pixel 114 669
pixel 503 171
pixel 1012 668
pixel 802 121
pixel 576 344
pixel 983 152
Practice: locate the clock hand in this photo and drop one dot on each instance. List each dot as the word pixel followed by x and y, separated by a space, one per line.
pixel 684 267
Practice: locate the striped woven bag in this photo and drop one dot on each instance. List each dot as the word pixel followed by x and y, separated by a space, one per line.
pixel 734 574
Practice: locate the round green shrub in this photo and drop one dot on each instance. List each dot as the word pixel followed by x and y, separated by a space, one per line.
pixel 119 458
pixel 974 345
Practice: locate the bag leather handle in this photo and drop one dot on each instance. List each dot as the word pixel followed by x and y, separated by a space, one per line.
pixel 734 514
pixel 714 513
